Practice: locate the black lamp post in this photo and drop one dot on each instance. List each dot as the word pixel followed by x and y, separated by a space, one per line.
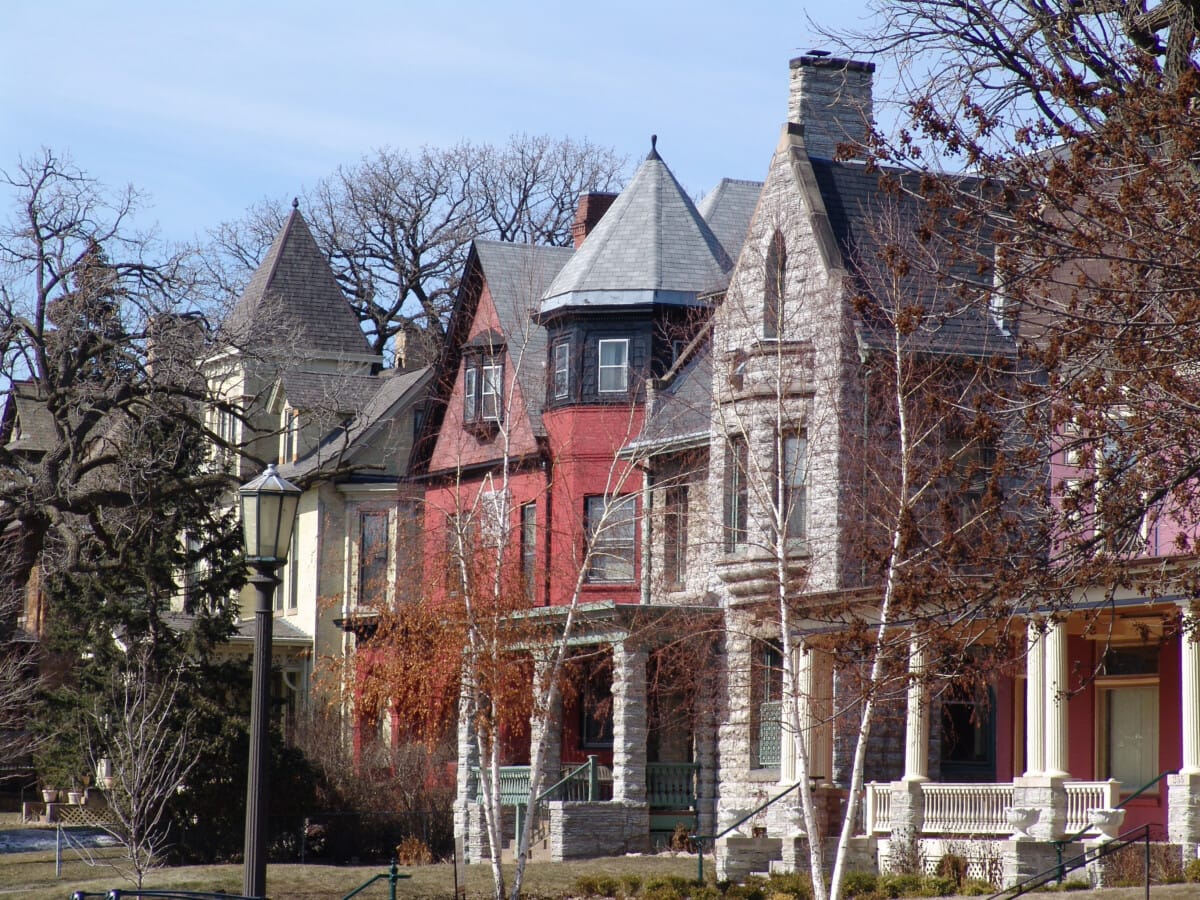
pixel 268 505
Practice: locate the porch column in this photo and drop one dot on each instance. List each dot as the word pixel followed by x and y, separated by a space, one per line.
pixel 1183 789
pixel 1035 700
pixel 1189 653
pixel 812 671
pixel 629 723
pixel 916 726
pixel 1056 762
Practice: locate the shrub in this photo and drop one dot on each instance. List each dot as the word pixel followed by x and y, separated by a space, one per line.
pixel 857 884
pixel 976 887
pixel 1192 871
pixel 748 891
pixel 683 839
pixel 1075 884
pixel 663 892
pixel 413 851
pixel 937 886
pixel 900 884
pixel 953 866
pixel 596 885
pixel 794 885
pixel 630 884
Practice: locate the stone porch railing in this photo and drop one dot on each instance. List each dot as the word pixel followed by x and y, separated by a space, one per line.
pixel 980 809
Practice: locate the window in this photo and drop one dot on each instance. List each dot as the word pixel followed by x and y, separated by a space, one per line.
pixel 483 387
pixel 967 738
pixel 493 518
pixel 793 479
pixel 766 704
pixel 737 463
pixel 291 435
pixel 596 713
pixel 529 548
pixel 612 537
pixel 973 460
pixel 372 557
pixel 562 371
pixel 459 556
pixel 614 366
pixel 675 515
pixel 293 587
pixel 773 287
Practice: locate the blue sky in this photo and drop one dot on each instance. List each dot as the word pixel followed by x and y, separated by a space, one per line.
pixel 210 106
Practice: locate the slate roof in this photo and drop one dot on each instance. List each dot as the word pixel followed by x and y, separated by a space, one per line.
pixel 728 209
pixel 682 412
pixel 388 395
pixel 517 276
pixel 293 300
pixel 26 416
pixel 651 246
pixel 855 202
pixel 328 392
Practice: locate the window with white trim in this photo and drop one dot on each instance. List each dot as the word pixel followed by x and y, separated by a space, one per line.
pixel 562 371
pixel 793 479
pixel 612 537
pixel 483 390
pixel 613 372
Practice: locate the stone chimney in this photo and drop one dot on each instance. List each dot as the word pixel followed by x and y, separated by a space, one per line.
pixel 831 99
pixel 592 206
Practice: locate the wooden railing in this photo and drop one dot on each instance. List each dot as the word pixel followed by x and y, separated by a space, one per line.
pixel 671 785
pixel 982 808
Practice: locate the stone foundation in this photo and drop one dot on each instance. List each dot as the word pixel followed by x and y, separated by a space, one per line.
pixel 738 857
pixel 584 830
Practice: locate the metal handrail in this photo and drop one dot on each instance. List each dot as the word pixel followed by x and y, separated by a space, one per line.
pixel 1141 833
pixel 590 765
pixel 701 838
pixel 392 875
pixel 1061 842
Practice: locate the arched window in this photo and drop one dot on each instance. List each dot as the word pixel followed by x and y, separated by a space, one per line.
pixel 773 287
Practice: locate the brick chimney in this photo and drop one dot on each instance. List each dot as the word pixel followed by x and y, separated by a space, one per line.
pixel 592 206
pixel 831 99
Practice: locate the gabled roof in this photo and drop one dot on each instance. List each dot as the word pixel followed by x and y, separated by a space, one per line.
pixel 392 392
pixel 728 209
pixel 517 276
pixel 293 300
pixel 327 392
pixel 856 202
pixel 652 246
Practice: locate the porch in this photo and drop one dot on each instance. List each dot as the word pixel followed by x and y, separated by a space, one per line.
pixel 586 791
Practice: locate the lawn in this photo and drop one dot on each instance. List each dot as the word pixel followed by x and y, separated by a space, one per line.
pixel 31 876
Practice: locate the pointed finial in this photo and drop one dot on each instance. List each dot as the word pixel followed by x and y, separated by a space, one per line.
pixel 295 203
pixel 654 147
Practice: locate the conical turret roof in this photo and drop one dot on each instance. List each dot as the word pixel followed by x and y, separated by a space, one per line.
pixel 293 298
pixel 652 246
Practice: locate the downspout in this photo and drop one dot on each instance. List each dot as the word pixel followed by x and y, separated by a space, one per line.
pixel 646 536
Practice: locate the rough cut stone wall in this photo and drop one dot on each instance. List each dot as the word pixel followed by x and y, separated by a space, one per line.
pixel 611 828
pixel 831 98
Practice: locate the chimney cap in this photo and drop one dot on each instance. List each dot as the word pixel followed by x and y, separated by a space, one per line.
pixel 821 59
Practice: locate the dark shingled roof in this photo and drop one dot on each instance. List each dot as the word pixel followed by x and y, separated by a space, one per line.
pixel 517 275
pixel 856 203
pixel 682 412
pixel 728 209
pixel 390 393
pixel 293 299
pixel 652 246
pixel 328 392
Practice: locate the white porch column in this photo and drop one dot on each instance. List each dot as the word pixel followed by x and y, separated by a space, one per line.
pixel 793 717
pixel 1035 700
pixel 629 723
pixel 1057 726
pixel 813 671
pixel 916 726
pixel 1189 652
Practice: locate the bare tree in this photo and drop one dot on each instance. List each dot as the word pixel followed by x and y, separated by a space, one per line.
pixel 397 225
pixel 142 732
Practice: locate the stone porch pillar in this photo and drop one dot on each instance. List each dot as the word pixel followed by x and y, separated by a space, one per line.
pixel 1183 789
pixel 467 812
pixel 629 723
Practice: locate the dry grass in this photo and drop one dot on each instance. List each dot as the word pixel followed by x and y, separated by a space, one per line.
pixel 33 879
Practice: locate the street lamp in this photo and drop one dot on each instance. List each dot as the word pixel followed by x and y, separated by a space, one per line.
pixel 268 505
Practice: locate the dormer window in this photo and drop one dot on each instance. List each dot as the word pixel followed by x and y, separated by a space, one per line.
pixel 775 273
pixel 483 386
pixel 613 374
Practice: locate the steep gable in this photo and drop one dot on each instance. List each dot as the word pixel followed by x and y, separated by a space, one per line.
pixel 293 301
